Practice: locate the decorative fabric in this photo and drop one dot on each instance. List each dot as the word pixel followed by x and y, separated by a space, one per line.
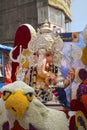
pixel 82 89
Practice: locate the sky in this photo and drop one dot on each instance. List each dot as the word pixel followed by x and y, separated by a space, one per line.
pixel 79 15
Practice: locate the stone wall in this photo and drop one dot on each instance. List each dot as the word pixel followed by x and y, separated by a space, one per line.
pixel 12 14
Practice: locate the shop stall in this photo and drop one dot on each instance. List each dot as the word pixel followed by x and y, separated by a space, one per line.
pixel 4 58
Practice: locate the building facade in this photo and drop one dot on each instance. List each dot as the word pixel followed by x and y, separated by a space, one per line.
pixel 35 12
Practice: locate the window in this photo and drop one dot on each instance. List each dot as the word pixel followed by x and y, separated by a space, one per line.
pixel 56 16
pixel 53 15
pixel 42 14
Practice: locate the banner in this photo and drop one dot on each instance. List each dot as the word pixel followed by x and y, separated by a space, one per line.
pixel 3 47
pixel 66 37
pixel 72 51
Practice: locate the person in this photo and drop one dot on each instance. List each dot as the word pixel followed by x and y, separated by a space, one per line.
pixel 8 70
pixel 8 73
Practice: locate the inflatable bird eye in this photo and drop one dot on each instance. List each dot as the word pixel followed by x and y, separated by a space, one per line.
pixel 29 96
pixel 6 94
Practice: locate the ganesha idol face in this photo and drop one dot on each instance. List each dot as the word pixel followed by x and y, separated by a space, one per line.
pixel 49 57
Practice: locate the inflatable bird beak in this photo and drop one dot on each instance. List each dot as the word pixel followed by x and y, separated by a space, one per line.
pixel 17 103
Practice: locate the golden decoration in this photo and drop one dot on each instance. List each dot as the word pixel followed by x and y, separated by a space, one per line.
pixel 84 56
pixel 25 53
pixel 79 114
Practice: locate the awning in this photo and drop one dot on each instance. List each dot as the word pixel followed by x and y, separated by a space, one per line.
pixel 5 47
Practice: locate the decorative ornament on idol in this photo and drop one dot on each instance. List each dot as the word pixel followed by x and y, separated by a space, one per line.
pixel 57 57
pixel 57 50
pixel 60 79
pixel 41 56
pixel 24 34
pixel 74 53
pixel 46 40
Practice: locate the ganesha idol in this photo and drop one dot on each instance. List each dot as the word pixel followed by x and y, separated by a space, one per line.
pixel 36 60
